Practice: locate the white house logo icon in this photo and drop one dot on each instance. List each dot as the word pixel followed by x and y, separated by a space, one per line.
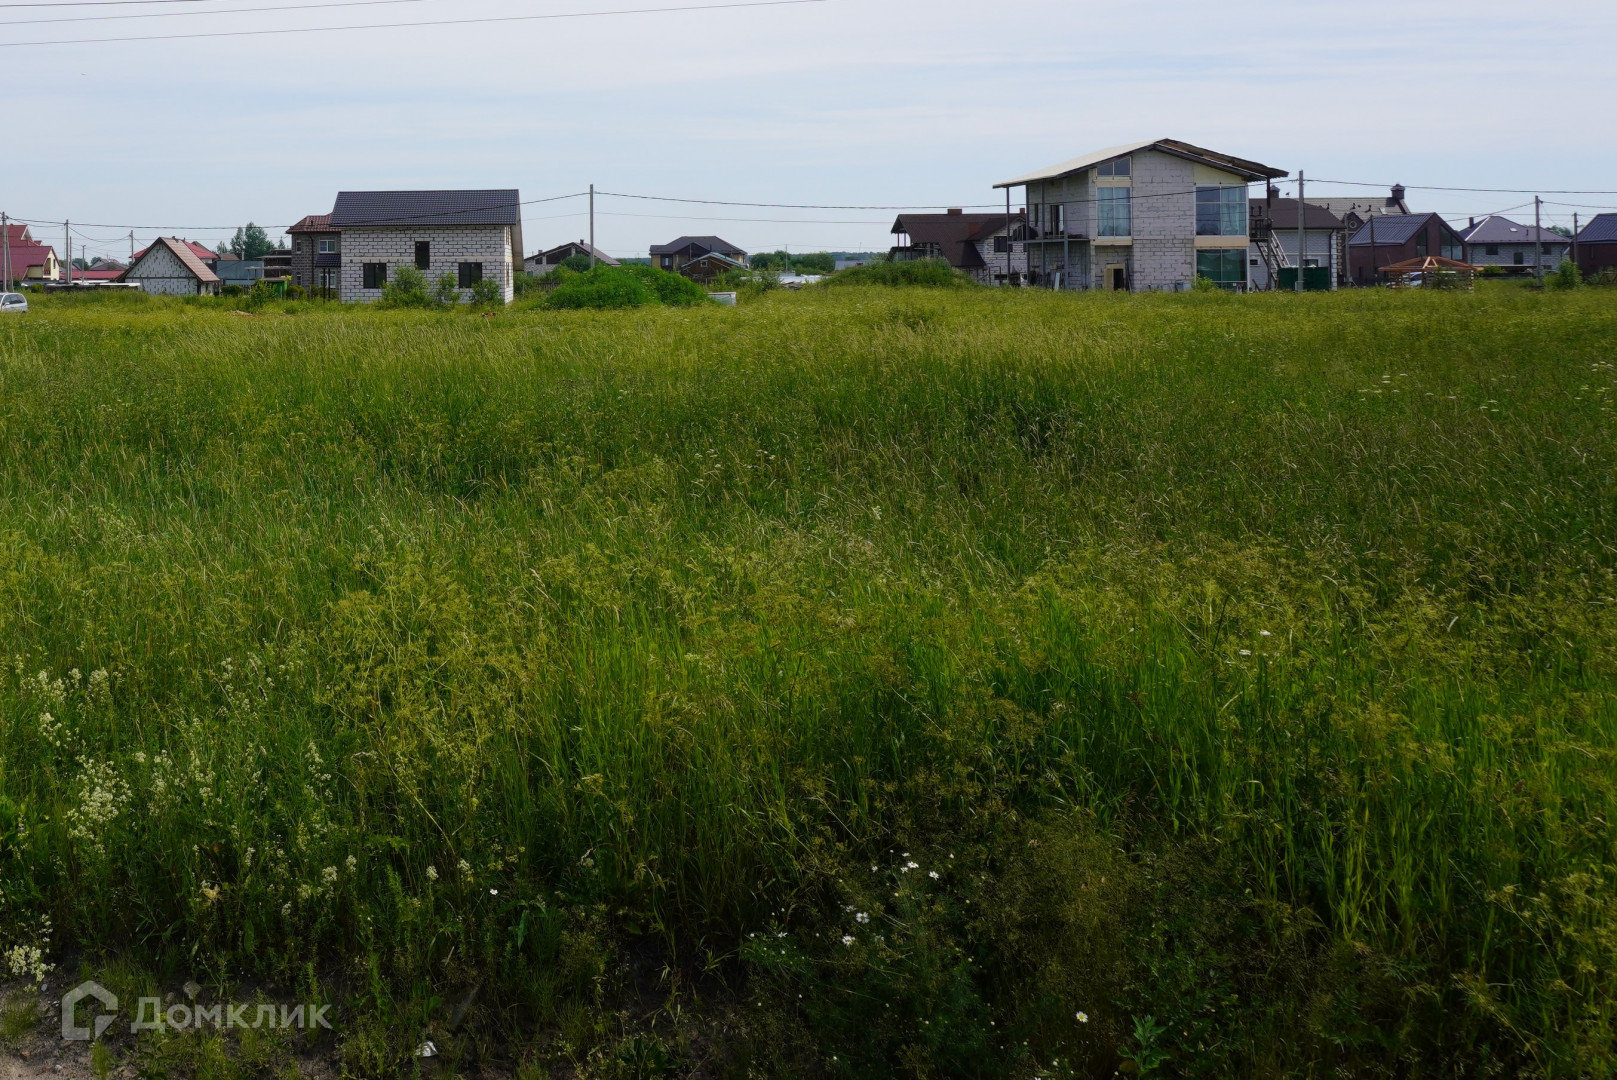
pixel 70 1004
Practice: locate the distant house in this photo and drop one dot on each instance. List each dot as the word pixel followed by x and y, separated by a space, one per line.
pixel 1356 210
pixel 242 273
pixel 1274 240
pixel 31 261
pixel 1597 244
pixel 1145 216
pixel 207 258
pixel 704 268
pixel 1499 241
pixel 991 248
pixel 546 261
pixel 688 248
pixel 170 267
pixel 469 235
pixel 860 260
pixel 316 255
pixel 1386 239
pixel 278 265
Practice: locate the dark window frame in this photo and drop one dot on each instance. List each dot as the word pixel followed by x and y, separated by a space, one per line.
pixel 374 275
pixel 423 254
pixel 468 274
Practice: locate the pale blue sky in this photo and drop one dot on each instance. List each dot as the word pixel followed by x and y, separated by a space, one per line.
pixel 888 102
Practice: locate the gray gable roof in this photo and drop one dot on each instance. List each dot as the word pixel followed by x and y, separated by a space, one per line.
pixel 1393 229
pixel 1494 229
pixel 501 206
pixel 706 243
pixel 1602 229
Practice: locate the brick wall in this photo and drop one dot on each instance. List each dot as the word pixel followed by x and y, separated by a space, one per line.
pixel 451 246
pixel 161 273
pixel 1163 208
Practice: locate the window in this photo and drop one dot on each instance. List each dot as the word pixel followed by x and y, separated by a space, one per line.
pixel 1002 245
pixel 328 247
pixel 470 274
pixel 1112 212
pixel 1222 266
pixel 1518 258
pixel 668 262
pixel 1492 249
pixel 1423 244
pixel 375 275
pixel 1221 211
pixel 423 255
pixel 1120 167
pixel 1053 218
pixel 1452 247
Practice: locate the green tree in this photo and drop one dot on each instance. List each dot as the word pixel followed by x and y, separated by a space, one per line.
pixel 488 294
pixel 251 242
pixel 447 292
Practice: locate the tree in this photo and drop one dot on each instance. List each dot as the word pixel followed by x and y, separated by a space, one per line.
pixel 251 242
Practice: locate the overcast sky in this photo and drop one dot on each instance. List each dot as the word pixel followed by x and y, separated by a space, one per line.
pixel 864 102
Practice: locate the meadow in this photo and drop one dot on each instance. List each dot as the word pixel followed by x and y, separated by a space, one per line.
pixel 859 682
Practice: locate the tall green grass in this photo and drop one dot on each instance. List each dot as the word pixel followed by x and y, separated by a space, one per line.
pixel 1241 666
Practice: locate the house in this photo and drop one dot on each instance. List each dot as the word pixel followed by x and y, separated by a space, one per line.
pixel 687 248
pixel 990 247
pixel 469 235
pixel 30 260
pixel 207 258
pixel 546 261
pixel 170 267
pixel 704 268
pixel 1596 245
pixel 316 255
pixel 1273 228
pixel 1386 239
pixel 242 273
pixel 1141 217
pixel 1357 210
pixel 1499 241
pixel 277 265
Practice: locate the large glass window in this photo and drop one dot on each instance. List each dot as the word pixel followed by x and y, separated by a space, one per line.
pixel 1222 266
pixel 1452 248
pixel 1423 244
pixel 1120 167
pixel 1221 211
pixel 1113 217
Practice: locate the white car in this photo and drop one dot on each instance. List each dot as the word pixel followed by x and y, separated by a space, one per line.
pixel 13 301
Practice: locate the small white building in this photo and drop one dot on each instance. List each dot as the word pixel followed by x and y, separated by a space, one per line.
pixel 170 267
pixel 1143 217
pixel 1499 241
pixel 1274 241
pixel 470 235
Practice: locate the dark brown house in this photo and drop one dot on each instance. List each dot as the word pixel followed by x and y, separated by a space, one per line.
pixel 316 255
pixel 1596 244
pixel 1394 238
pixel 989 247
pixel 687 249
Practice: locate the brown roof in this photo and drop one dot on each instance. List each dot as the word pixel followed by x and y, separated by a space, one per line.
pixel 313 223
pixel 182 251
pixel 956 235
pixel 1283 215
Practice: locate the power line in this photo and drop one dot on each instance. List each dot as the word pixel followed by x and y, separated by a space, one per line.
pixel 1482 190
pixel 100 3
pixel 215 11
pixel 734 4
pixel 405 218
pixel 784 206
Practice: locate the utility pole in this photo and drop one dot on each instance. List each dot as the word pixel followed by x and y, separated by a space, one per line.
pixel 67 242
pixel 1374 270
pixel 1538 241
pixel 592 226
pixel 131 247
pixel 5 252
pixel 1574 238
pixel 1302 235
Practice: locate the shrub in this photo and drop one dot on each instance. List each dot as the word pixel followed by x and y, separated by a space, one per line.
pixel 447 291
pixel 934 273
pixel 232 290
pixel 604 288
pixel 1566 276
pixel 407 288
pixel 523 281
pixel 295 292
pixel 576 263
pixel 670 289
pixel 487 293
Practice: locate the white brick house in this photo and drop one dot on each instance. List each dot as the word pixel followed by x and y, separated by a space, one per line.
pixel 469 235
pixel 169 267
pixel 1143 217
pixel 1518 249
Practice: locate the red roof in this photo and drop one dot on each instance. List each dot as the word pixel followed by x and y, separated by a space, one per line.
pixel 313 223
pixel 183 250
pixel 95 275
pixel 197 249
pixel 25 255
pixel 19 234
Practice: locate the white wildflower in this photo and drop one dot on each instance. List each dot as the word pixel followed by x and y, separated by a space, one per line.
pixel 863 917
pixel 328 875
pixel 102 797
pixel 27 962
pixel 847 939
pixel 933 874
pixel 432 872
pixel 1083 1018
pixel 352 864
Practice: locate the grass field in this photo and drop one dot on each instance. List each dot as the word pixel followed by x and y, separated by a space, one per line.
pixel 855 683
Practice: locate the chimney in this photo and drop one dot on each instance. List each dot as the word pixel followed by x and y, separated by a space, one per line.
pixel 1473 223
pixel 956 210
pixel 1274 193
pixel 1397 195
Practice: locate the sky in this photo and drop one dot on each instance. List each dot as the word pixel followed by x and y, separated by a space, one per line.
pixel 826 103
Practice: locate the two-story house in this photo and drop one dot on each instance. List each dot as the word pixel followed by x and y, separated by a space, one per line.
pixel 990 247
pixel 1273 227
pixel 1518 249
pixel 1143 217
pixel 674 256
pixel 31 261
pixel 1388 239
pixel 469 235
pixel 316 255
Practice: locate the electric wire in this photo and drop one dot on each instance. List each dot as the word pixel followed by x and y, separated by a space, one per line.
pixel 483 20
pixel 215 11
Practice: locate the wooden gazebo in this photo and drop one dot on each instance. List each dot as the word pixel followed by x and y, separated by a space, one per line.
pixel 1430 272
